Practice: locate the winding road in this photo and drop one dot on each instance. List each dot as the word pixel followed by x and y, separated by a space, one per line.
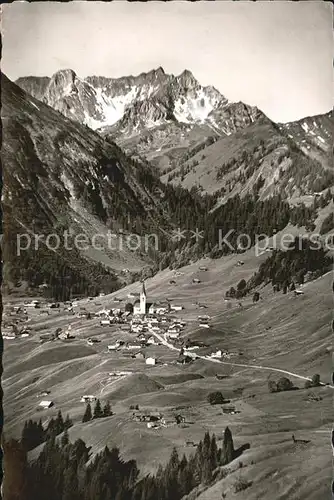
pixel 243 365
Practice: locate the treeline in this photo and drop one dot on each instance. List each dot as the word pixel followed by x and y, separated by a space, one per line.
pixel 240 220
pixel 66 471
pixel 34 434
pixel 302 261
pixel 244 216
pixel 98 412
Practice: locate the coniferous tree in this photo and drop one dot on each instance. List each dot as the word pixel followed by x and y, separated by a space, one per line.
pixel 88 414
pixel 68 422
pixel 213 453
pixel 107 410
pixel 59 423
pixel 227 453
pixel 97 413
pixel 64 439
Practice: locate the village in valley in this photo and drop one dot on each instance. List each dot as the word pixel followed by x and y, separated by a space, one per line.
pixel 167 254
pixel 160 360
pixel 138 330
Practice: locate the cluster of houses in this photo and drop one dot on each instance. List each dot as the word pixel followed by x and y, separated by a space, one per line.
pixel 155 420
pixel 135 349
pixel 14 323
pixel 222 354
pixel 59 334
pixel 148 319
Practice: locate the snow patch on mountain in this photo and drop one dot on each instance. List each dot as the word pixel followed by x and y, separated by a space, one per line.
pixel 194 109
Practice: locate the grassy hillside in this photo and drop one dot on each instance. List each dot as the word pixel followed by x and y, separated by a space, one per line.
pixel 258 158
pixel 278 336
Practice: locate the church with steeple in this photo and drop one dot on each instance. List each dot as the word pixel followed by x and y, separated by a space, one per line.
pixel 140 305
pixel 143 300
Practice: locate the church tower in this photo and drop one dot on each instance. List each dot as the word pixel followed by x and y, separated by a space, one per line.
pixel 143 300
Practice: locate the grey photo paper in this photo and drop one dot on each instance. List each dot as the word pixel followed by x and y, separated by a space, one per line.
pixel 167 249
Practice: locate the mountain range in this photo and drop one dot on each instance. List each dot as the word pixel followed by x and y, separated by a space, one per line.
pixel 144 101
pixel 144 153
pixel 163 118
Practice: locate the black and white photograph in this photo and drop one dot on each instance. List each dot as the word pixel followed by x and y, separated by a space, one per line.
pixel 167 250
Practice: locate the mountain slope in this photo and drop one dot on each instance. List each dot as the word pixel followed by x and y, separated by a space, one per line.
pixel 314 136
pixel 259 159
pixel 61 175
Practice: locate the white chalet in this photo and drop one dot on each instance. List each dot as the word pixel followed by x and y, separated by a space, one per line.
pixel 217 354
pixel 150 361
pixel 46 404
pixel 105 322
pixel 176 308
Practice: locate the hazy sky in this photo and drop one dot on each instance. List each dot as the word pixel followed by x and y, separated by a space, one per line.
pixel 275 55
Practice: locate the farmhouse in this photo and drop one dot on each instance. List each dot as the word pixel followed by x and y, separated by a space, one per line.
pixel 159 307
pixel 173 334
pixel 153 418
pixel 113 347
pixel 176 308
pixel 150 361
pixel 105 322
pixel 33 303
pixel 217 354
pixel 133 345
pixel 205 317
pixel 88 399
pixel 153 425
pixel 46 404
pixel 229 410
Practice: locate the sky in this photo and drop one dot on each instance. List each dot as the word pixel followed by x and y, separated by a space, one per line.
pixel 274 55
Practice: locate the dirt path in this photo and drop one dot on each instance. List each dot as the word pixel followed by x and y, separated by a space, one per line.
pixel 109 383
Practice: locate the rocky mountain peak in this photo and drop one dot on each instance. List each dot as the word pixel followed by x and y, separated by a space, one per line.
pixel 64 76
pixel 134 103
pixel 159 71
